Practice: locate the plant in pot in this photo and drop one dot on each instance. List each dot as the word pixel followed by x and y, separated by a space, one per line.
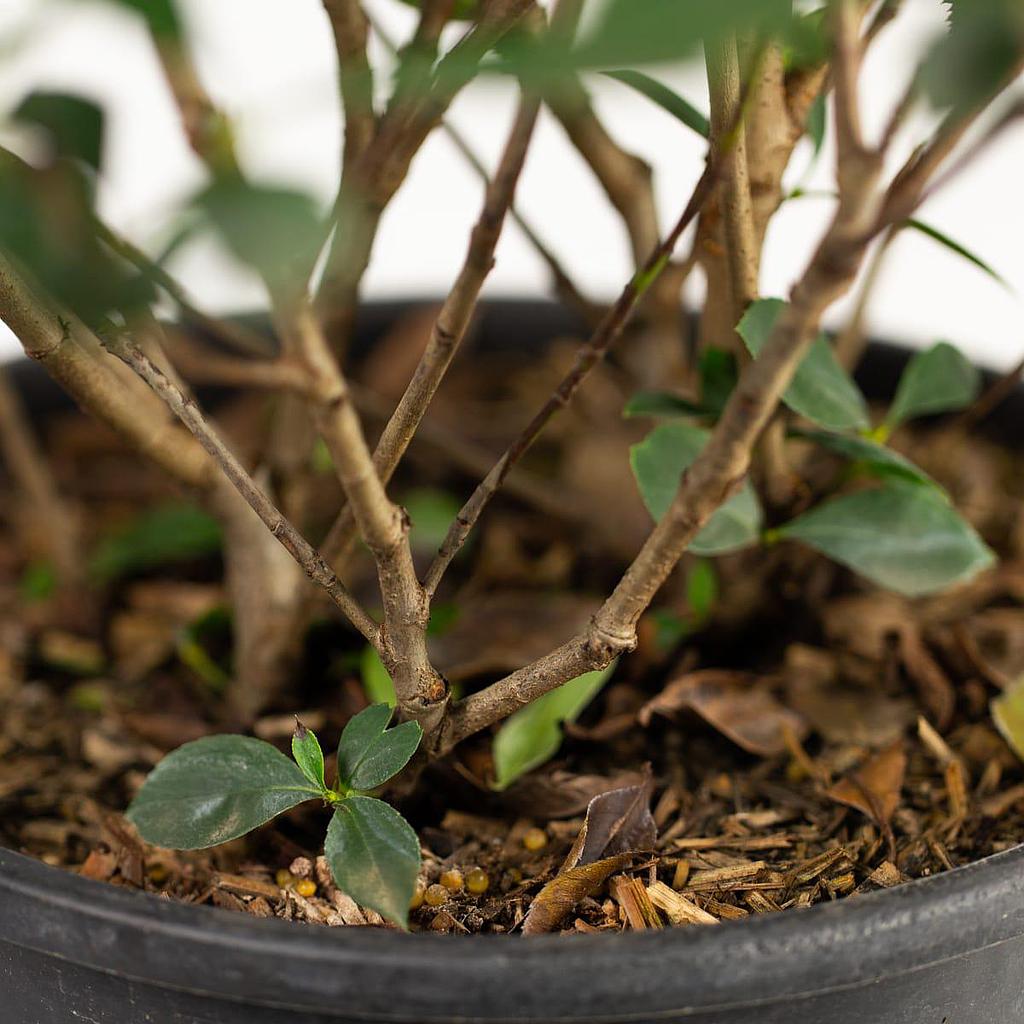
pixel 806 662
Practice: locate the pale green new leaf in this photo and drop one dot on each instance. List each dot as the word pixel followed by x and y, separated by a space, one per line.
pixel 308 755
pixel 901 536
pixel 374 856
pixel 533 735
pixel 1008 714
pixel 937 380
pixel 377 682
pixel 820 389
pixel 216 789
pixel 658 463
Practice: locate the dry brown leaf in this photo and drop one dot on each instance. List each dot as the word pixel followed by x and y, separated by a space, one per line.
pixel 555 901
pixel 874 788
pixel 735 704
pixel 619 821
pixel 866 624
pixel 562 794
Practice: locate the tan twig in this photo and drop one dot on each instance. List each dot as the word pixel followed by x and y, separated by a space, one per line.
pixel 349 27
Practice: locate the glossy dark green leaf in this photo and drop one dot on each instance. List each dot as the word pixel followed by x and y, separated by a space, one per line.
pixel 820 389
pixel 903 537
pixel 662 405
pixel 169 533
pixel 274 230
pixel 940 379
pixel 374 856
pixel 216 789
pixel 658 463
pixel 954 246
pixel 308 755
pixel 671 102
pixel 369 753
pixel 879 459
pixel 73 125
pixel 532 735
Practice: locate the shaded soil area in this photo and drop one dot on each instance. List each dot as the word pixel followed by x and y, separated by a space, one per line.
pixel 795 737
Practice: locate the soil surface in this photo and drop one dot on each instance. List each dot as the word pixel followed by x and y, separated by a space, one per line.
pixel 801 737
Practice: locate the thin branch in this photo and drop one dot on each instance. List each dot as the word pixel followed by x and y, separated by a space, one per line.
pixel 349 27
pixel 453 320
pixel 607 333
pixel 852 339
pixel 297 546
pixel 421 691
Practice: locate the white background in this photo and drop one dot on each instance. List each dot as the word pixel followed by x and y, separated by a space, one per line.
pixel 270 64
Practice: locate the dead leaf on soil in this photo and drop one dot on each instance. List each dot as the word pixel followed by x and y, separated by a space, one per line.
pixel 551 905
pixel 874 788
pixel 562 794
pixel 933 685
pixel 619 821
pixel 737 704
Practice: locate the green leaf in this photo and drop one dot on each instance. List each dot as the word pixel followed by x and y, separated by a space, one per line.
pixel 937 380
pixel 174 532
pixel 369 753
pixel 718 376
pixel 216 789
pixel 658 463
pixel 531 736
pixel 308 755
pixel 903 537
pixel 661 404
pixel 817 120
pixel 701 590
pixel 274 230
pixel 954 246
pixel 73 125
pixel 877 458
pixel 820 389
pixel 1008 714
pixel 431 512
pixel 374 856
pixel 161 16
pixel 377 682
pixel 38 582
pixel 670 101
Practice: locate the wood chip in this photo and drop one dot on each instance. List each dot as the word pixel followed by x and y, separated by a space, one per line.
pixel 636 905
pixel 677 908
pixel 817 866
pixel 725 878
pixel 759 903
pixel 780 841
pixel 886 875
pixel 243 885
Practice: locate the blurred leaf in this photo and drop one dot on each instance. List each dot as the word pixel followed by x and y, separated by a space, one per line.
pixel 168 533
pixel 903 537
pixel 161 16
pixel 374 856
pixel 308 755
pixel 273 230
pixel 38 582
pixel 681 109
pixel 661 404
pixel 817 122
pixel 531 736
pixel 874 788
pixel 658 463
pixel 984 44
pixel 877 458
pixel 956 247
pixel 73 125
pixel 938 379
pixel 431 512
pixel 718 376
pixel 462 9
pixel 191 646
pixel 1008 714
pixel 377 683
pixel 216 789
pixel 820 389
pixel 702 589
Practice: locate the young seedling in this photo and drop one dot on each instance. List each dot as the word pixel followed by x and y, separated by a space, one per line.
pixel 215 789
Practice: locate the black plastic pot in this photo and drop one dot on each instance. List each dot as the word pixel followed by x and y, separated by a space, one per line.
pixel 944 950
